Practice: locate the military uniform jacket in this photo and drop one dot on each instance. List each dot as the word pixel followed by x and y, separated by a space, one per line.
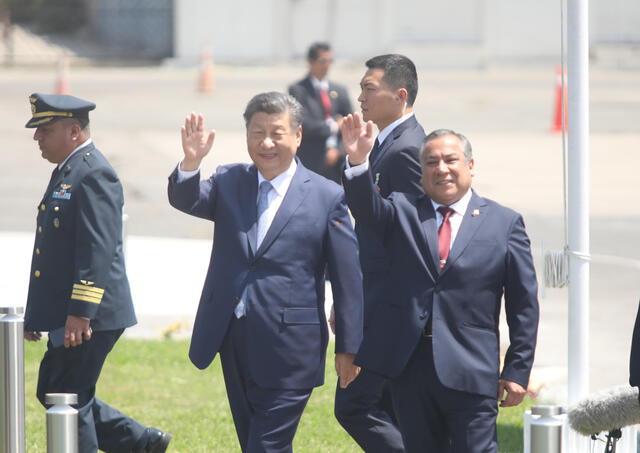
pixel 78 263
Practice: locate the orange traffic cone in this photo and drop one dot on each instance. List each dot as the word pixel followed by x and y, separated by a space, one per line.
pixel 560 104
pixel 206 79
pixel 62 76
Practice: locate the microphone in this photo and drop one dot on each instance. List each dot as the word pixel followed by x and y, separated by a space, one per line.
pixel 606 410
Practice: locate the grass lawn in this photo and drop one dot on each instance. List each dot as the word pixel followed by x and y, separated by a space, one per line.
pixel 154 382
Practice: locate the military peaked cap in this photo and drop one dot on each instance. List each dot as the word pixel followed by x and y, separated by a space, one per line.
pixel 46 108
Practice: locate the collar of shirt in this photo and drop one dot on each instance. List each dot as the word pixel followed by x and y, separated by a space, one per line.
pixel 281 182
pixel 61 164
pixel 459 207
pixel 384 133
pixel 320 84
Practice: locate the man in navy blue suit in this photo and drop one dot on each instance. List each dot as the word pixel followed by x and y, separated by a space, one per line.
pixel 388 90
pixel 453 256
pixel 277 227
pixel 325 103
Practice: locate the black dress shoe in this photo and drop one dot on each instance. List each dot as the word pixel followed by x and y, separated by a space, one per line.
pixel 158 441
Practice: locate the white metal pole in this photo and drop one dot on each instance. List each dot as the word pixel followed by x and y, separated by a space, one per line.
pixel 578 208
pixel 12 438
pixel 578 197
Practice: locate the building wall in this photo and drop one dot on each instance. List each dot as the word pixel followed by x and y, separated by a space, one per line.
pixel 133 28
pixel 479 31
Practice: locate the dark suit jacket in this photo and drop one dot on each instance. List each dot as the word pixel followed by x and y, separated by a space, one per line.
pixel 287 331
pixel 634 360
pixel 315 131
pixel 396 168
pixel 77 255
pixel 490 258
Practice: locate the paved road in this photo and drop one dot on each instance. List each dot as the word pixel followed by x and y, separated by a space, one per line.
pixel 505 112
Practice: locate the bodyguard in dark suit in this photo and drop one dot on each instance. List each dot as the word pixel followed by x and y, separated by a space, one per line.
pixel 453 255
pixel 324 103
pixel 78 289
pixel 277 227
pixel 388 90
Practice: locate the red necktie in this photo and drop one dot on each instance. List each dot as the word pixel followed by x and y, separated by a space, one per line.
pixel 326 102
pixel 444 234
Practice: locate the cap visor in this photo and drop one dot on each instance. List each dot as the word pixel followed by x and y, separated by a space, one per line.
pixel 35 122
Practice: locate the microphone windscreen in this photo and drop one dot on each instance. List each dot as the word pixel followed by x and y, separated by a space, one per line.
pixel 606 410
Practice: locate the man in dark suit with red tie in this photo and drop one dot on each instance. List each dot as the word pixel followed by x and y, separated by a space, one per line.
pixel 453 256
pixel 388 90
pixel 324 103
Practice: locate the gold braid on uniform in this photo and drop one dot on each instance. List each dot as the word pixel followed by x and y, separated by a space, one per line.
pixel 87 293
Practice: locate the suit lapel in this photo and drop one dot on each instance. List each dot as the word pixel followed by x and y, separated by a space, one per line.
pixel 473 218
pixel 333 97
pixel 430 233
pixel 295 195
pixel 392 137
pixel 313 94
pixel 248 199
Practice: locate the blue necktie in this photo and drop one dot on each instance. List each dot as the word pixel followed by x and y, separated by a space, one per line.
pixel 263 204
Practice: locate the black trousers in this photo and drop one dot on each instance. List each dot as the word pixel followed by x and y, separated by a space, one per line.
pixel 76 370
pixel 435 418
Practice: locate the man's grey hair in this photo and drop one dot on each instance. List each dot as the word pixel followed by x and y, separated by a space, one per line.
pixel 464 142
pixel 274 102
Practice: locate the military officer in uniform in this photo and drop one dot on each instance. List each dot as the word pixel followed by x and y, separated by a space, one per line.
pixel 78 289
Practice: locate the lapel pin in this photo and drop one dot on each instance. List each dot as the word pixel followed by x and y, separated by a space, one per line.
pixel 375 183
pixel 475 213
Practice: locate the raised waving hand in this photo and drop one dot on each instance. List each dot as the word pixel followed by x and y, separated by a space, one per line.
pixel 357 140
pixel 196 142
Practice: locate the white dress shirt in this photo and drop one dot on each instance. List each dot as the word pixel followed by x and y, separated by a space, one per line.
pixel 280 186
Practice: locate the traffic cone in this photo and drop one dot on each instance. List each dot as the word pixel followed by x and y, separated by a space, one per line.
pixel 206 79
pixel 560 103
pixel 62 76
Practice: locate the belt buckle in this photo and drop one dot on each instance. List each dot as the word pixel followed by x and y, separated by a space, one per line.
pixel 426 334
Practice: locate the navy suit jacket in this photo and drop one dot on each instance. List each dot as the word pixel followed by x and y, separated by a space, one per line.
pixel 490 258
pixel 396 168
pixel 315 131
pixel 286 327
pixel 77 266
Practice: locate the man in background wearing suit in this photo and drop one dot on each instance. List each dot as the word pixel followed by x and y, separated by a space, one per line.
pixel 277 227
pixel 388 90
pixel 78 289
pixel 453 256
pixel 324 103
